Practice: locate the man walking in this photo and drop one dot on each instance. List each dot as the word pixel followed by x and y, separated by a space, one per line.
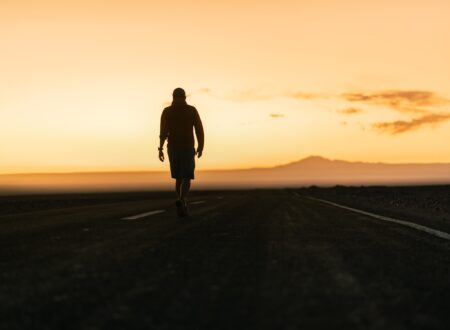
pixel 177 124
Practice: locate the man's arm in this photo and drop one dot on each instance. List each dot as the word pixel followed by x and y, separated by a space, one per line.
pixel 199 133
pixel 163 133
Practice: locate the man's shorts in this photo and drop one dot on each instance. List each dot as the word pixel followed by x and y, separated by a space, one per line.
pixel 182 163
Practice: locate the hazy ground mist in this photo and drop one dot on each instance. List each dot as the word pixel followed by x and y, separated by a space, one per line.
pixel 310 171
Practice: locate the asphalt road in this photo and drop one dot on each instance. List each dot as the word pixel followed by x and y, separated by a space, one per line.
pixel 242 260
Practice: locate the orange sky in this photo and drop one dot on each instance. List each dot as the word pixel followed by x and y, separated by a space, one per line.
pixel 83 83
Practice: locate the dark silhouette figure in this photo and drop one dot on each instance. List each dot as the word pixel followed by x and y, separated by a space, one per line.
pixel 177 124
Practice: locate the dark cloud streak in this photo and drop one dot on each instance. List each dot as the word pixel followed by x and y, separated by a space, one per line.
pixel 276 115
pixel 402 126
pixel 349 111
pixel 305 96
pixel 412 101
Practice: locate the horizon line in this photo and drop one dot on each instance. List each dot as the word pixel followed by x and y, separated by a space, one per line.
pixel 223 169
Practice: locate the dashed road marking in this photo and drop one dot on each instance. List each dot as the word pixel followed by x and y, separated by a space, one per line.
pixel 428 230
pixel 197 202
pixel 142 215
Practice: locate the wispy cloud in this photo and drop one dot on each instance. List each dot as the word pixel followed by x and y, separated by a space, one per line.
pixel 413 101
pixel 249 95
pixel 304 95
pixel 402 126
pixel 259 95
pixel 349 111
pixel 205 90
pixel 276 115
pixel 424 108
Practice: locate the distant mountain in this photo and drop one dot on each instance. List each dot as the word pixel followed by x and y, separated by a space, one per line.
pixel 314 170
pixel 326 167
pixel 310 161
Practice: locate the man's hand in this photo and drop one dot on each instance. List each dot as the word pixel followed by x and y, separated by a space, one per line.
pixel 199 153
pixel 161 155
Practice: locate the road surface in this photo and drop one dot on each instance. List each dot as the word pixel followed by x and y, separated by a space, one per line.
pixel 263 259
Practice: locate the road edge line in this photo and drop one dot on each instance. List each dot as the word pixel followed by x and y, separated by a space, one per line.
pixel 143 215
pixel 197 202
pixel 428 230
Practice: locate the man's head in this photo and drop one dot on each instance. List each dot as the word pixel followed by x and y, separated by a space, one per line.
pixel 179 94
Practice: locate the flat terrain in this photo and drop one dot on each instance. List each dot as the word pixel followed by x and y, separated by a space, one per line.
pixel 262 259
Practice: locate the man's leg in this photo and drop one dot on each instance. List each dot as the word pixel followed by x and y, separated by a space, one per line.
pixel 179 202
pixel 185 186
pixel 178 184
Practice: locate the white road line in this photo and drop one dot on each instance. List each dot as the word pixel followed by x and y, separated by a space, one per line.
pixel 428 230
pixel 142 215
pixel 197 202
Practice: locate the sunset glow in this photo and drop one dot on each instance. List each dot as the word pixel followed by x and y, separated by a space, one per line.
pixel 83 83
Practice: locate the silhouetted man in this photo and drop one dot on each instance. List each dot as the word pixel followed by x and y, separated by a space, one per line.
pixel 177 124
